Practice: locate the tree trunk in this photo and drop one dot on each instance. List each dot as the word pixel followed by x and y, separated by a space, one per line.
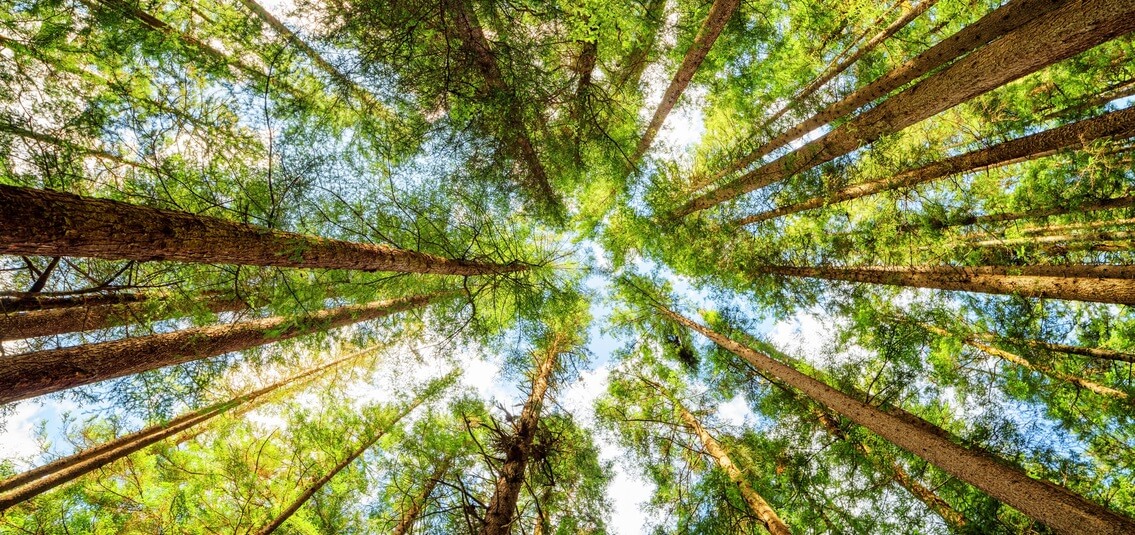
pixel 468 30
pixel 1048 240
pixel 314 487
pixel 1095 283
pixel 1090 352
pixel 36 481
pixel 32 302
pixel 1119 124
pixel 1057 35
pixel 1024 363
pixel 57 321
pixel 51 223
pixel 1050 229
pixel 1053 505
pixel 757 504
pixel 43 372
pixel 989 28
pixel 719 14
pixel 502 507
pixel 411 514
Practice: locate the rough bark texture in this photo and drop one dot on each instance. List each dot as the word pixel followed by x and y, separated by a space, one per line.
pixel 1024 363
pixel 502 507
pixel 57 321
pixel 411 514
pixel 1057 35
pixel 719 14
pixel 756 502
pixel 52 223
pixel 468 30
pixel 1053 505
pixel 24 303
pixel 1119 124
pixel 38 480
pixel 990 27
pixel 1099 284
pixel 310 491
pixel 43 372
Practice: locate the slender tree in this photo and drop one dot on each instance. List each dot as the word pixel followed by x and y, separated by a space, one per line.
pixel 1119 124
pixel 1044 501
pixel 36 481
pixel 719 14
pixel 418 503
pixel 43 372
pixel 40 221
pixel 1055 36
pixel 996 24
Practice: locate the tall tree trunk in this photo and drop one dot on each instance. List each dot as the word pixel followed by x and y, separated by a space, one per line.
pixel 43 372
pixel 502 507
pixel 36 481
pixel 1046 240
pixel 468 30
pixel 719 14
pixel 1053 505
pixel 1057 35
pixel 52 223
pixel 411 514
pixel 1050 229
pixel 1099 284
pixel 989 28
pixel 1090 352
pixel 318 484
pixel 757 504
pixel 1119 124
pixel 32 302
pixel 1024 363
pixel 55 321
pixel 631 67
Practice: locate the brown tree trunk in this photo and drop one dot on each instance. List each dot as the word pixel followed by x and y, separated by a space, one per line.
pixel 1047 240
pixel 989 28
pixel 1024 363
pixel 719 14
pixel 55 321
pixel 1053 505
pixel 1090 352
pixel 314 487
pixel 1119 124
pixel 51 223
pixel 1057 35
pixel 36 481
pixel 1036 213
pixel 32 302
pixel 757 504
pixel 634 64
pixel 1099 284
pixel 502 507
pixel 43 372
pixel 468 30
pixel 411 514
pixel 1050 229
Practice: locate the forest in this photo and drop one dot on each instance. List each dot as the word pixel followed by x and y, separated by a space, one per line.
pixel 493 267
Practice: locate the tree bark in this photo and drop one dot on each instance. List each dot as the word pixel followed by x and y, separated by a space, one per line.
pixel 1057 35
pixel 1053 505
pixel 1090 352
pixel 719 14
pixel 757 504
pixel 43 372
pixel 500 513
pixel 411 514
pixel 314 487
pixel 987 29
pixel 36 481
pixel 1119 125
pixel 1050 229
pixel 1024 363
pixel 31 302
pixel 55 321
pixel 468 30
pixel 51 223
pixel 1094 283
pixel 1063 209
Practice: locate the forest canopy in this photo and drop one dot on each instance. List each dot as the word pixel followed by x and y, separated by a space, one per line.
pixel 567 267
